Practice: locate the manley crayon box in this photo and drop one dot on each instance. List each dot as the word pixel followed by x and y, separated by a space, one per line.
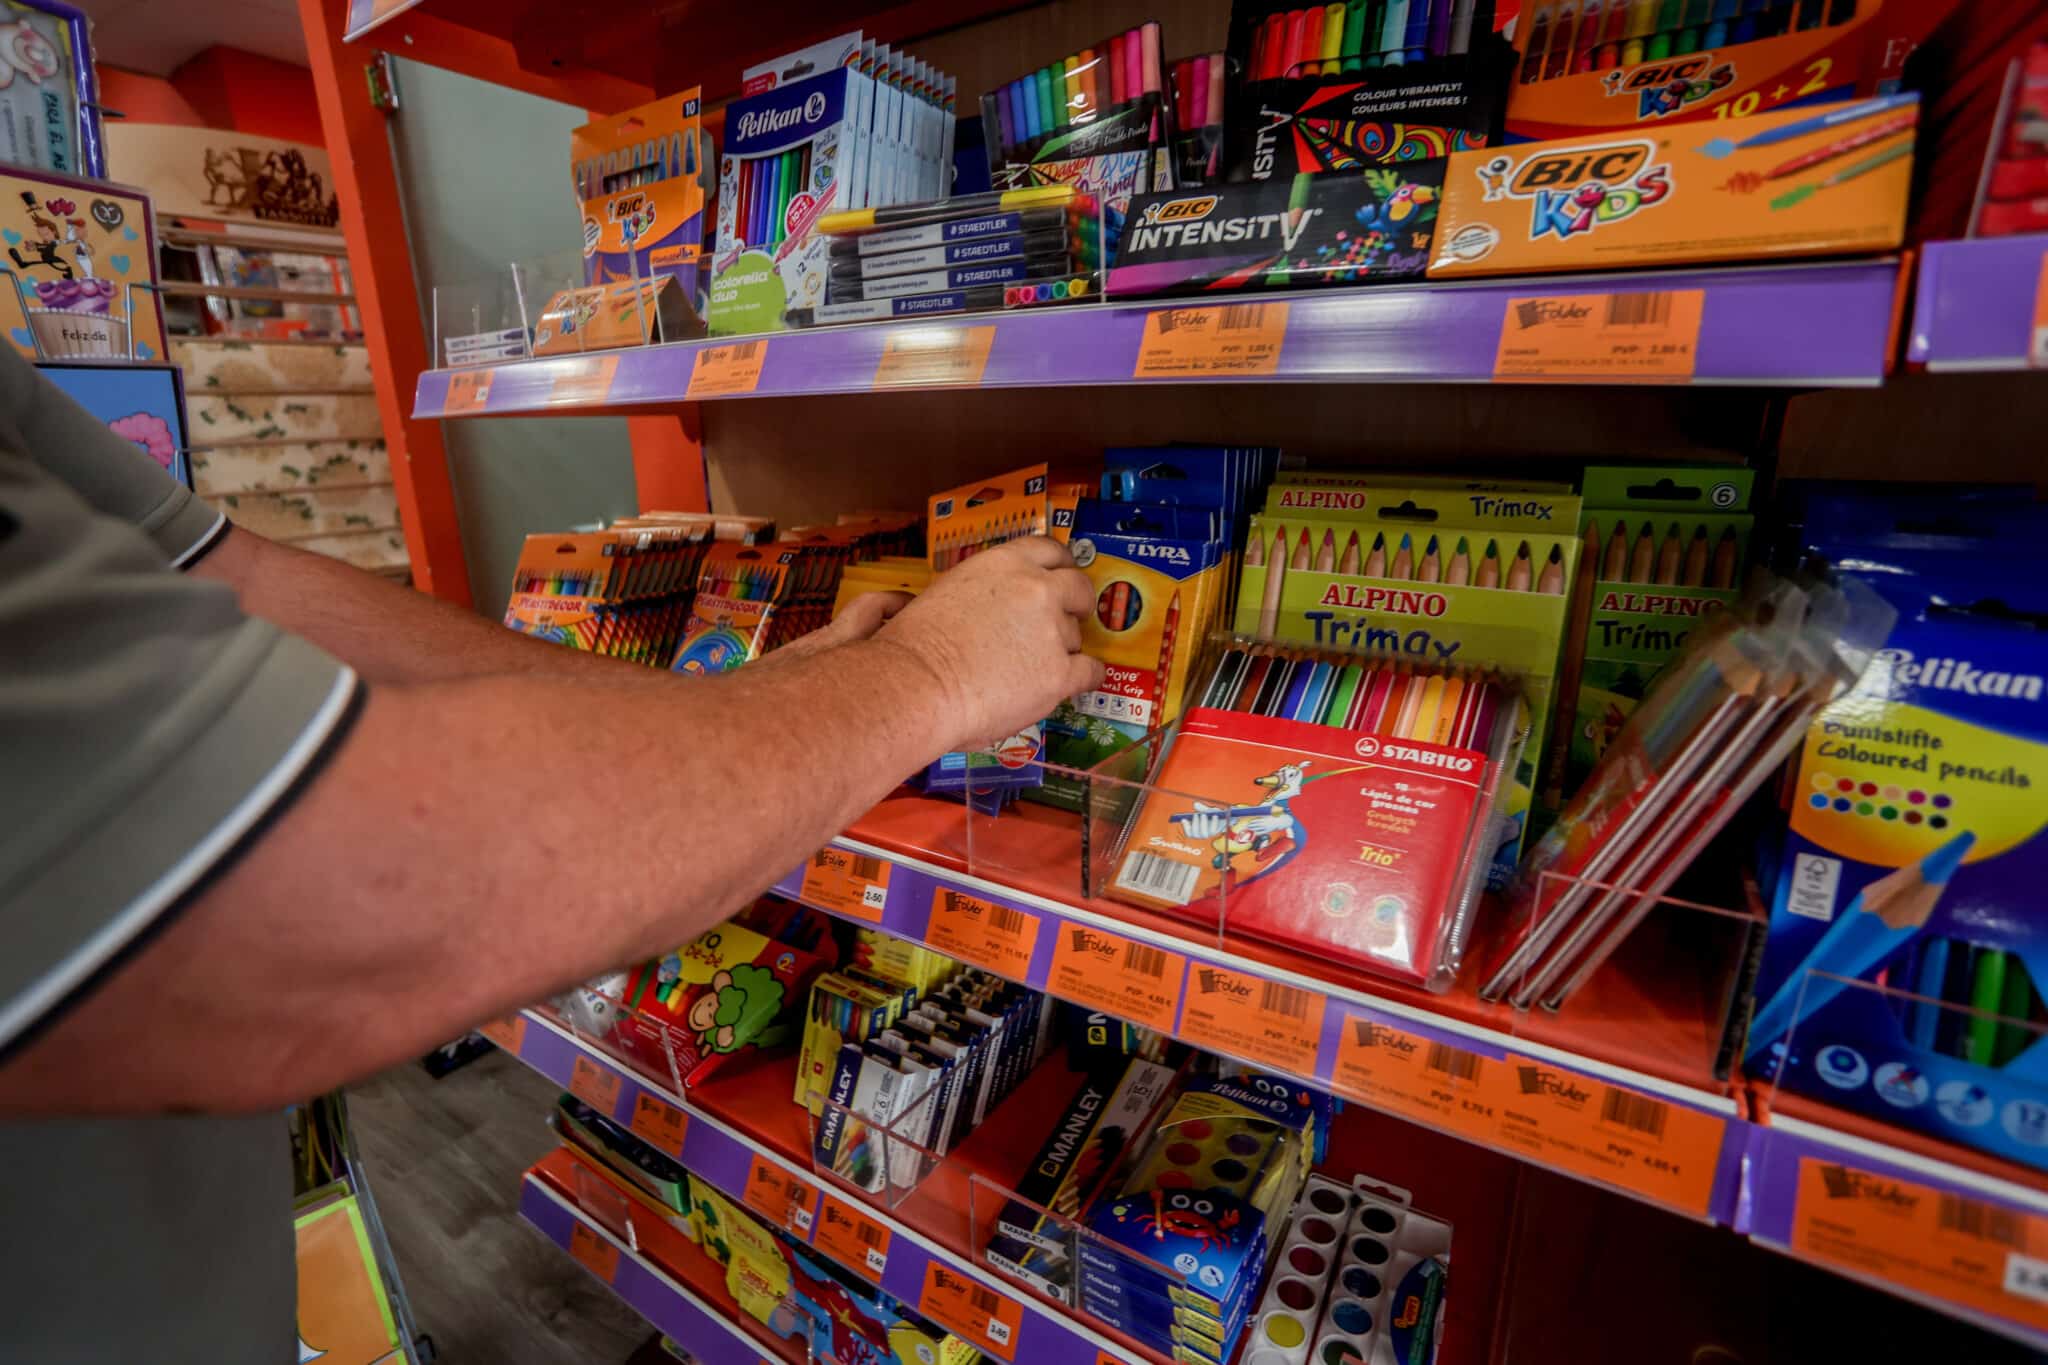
pixel 1829 180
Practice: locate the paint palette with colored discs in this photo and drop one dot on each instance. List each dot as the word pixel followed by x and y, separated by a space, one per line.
pixel 1386 1300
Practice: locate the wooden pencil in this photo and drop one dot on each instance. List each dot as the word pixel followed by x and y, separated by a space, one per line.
pixel 1668 558
pixel 1430 570
pixel 1489 567
pixel 1614 568
pixel 1694 574
pixel 1403 566
pixel 1459 571
pixel 1519 572
pixel 1551 579
pixel 1642 561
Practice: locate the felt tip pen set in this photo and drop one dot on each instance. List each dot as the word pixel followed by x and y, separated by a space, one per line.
pixel 848 124
pixel 1358 227
pixel 1663 551
pixel 1342 806
pixel 1367 83
pixel 1439 572
pixel 1719 721
pixel 1907 952
pixel 1198 103
pixel 1801 182
pixel 1619 66
pixel 643 179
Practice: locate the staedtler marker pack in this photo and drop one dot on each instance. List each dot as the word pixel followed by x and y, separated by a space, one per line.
pixel 1904 973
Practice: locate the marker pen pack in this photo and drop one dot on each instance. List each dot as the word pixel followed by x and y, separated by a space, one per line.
pixel 1616 67
pixel 1341 88
pixel 1343 806
pixel 1662 550
pixel 1437 573
pixel 980 275
pixel 644 180
pixel 1056 242
pixel 1916 847
pixel 1305 230
pixel 1828 180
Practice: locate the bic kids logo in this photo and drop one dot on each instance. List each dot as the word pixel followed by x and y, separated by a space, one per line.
pixel 1663 88
pixel 1581 188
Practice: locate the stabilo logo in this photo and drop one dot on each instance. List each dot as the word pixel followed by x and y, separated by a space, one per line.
pixel 1610 164
pixel 1181 210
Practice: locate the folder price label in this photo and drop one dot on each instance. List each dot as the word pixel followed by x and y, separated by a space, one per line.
pixel 927 356
pixel 594 1252
pixel 1117 975
pixel 595 1085
pixel 999 938
pixel 732 370
pixel 971 1309
pixel 582 381
pixel 852 884
pixel 1953 1247
pixel 852 1238
pixel 660 1123
pixel 780 1197
pixel 2037 349
pixel 1650 336
pixel 468 391
pixel 508 1033
pixel 1263 1022
pixel 1215 341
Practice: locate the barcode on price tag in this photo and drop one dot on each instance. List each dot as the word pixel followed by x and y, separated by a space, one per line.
pixel 1237 339
pixel 1000 938
pixel 727 371
pixel 1639 310
pixel 1117 975
pixel 1985 1222
pixel 1453 1063
pixel 851 1237
pixel 970 1308
pixel 1639 1113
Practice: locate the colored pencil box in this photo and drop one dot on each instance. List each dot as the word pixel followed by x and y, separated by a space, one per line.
pixel 1353 228
pixel 1803 182
pixel 1917 840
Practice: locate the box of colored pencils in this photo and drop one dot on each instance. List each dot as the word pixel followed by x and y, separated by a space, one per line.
pixel 1663 551
pixel 1368 83
pixel 1005 249
pixel 1380 868
pixel 1354 228
pixel 1801 182
pixel 867 128
pixel 1430 572
pixel 1100 120
pixel 1908 951
pixel 1037 500
pixel 1595 67
pixel 644 180
pixel 622 592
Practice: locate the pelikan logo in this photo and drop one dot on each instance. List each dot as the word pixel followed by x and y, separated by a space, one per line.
pixel 1906 669
pixel 775 120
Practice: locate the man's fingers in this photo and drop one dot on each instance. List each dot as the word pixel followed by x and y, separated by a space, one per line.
pixel 1043 551
pixel 1073 591
pixel 1084 674
pixel 1070 633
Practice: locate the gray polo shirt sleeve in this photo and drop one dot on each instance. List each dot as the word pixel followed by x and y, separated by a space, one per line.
pixel 147 726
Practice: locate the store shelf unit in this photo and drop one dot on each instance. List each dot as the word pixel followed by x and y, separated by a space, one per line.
pixel 1802 325
pixel 1961 1240
pixel 752 1172
pixel 1979 304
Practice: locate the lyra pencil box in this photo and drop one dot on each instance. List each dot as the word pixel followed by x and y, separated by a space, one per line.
pixel 1351 228
pixel 1343 808
pixel 1803 182
pixel 1904 973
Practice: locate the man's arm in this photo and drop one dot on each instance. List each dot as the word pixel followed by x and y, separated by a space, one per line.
pixel 478 845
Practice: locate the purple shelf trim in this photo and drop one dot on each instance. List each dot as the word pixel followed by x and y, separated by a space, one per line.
pixel 1973 308
pixel 1824 324
pixel 711 1339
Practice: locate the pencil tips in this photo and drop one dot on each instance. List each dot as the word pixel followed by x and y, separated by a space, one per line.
pixel 1937 867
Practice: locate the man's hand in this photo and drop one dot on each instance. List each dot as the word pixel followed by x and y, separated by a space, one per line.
pixel 1001 634
pixel 863 616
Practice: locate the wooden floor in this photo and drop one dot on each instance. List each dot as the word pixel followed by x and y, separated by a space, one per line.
pixel 444 1159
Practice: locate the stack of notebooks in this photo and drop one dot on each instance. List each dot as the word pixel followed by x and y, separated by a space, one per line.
pixel 1007 249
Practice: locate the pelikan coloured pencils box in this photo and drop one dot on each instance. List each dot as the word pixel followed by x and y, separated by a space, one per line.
pixel 1823 181
pixel 1282 234
pixel 1908 949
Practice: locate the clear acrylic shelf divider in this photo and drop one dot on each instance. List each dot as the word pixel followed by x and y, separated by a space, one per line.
pixel 879 1161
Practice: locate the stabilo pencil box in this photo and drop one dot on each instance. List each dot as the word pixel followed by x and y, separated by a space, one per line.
pixel 1804 182
pixel 1907 960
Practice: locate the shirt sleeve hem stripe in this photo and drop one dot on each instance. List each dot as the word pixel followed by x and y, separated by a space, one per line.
pixel 117 933
pixel 205 542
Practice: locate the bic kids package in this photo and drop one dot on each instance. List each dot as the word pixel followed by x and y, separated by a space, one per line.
pixel 1908 949
pixel 644 180
pixel 1803 182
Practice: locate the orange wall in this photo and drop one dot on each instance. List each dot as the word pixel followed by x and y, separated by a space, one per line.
pixel 222 87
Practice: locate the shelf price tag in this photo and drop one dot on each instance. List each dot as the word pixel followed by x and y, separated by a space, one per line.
pixel 597 1086
pixel 582 381
pixel 851 884
pixel 852 1238
pixel 1947 1246
pixel 1117 975
pixel 660 1123
pixel 1231 340
pixel 1652 335
pixel 508 1033
pixel 2037 350
pixel 971 1309
pixel 780 1197
pixel 1261 1021
pixel 596 1254
pixel 728 371
pixel 934 355
pixel 468 391
pixel 993 936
